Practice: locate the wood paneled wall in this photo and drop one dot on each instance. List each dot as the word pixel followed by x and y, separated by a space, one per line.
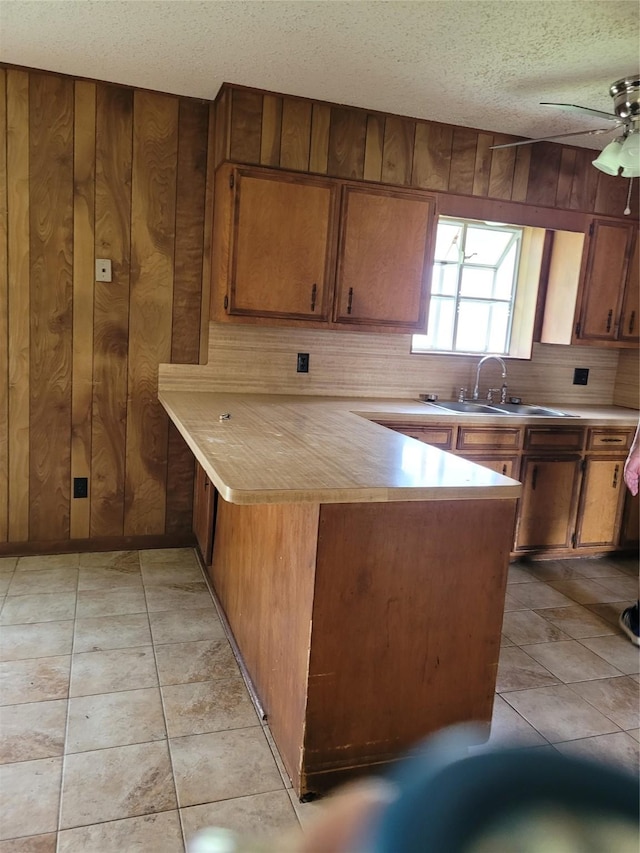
pixel 256 127
pixel 94 170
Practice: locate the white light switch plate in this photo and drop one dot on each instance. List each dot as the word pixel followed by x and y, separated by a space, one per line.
pixel 103 269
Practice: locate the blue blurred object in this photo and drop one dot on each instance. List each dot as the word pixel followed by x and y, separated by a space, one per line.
pixel 504 800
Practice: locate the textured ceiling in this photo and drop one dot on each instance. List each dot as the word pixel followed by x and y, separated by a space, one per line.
pixel 480 63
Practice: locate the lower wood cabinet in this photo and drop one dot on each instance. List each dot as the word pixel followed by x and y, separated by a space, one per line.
pixel 601 502
pixel 548 503
pixel 630 528
pixel 204 509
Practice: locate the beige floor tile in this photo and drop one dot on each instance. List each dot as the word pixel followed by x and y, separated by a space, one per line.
pixel 50 607
pixel 618 749
pixel 635 734
pixel 518 671
pixel 505 641
pixel 553 570
pixel 558 713
pixel 584 591
pixel 32 731
pixel 36 680
pixel 111 784
pixel 178 596
pixel 36 582
pixel 49 561
pixel 525 626
pixel 110 602
pixel 610 612
pixel 600 567
pixel 616 650
pixel 509 729
pixel 576 621
pixel 30 797
pixel 538 595
pixel 286 781
pixel 622 586
pixel 113 670
pixel 627 565
pixel 99 633
pixel 8 564
pixel 5 580
pixel 510 603
pixel 168 556
pixel 258 816
pixel 123 560
pixel 179 663
pixel 115 719
pixel 171 627
pixel 108 578
pixel 223 765
pixel 163 573
pixel 569 661
pixel 519 573
pixel 207 706
pixel 30 844
pixel 305 812
pixel 153 833
pixel 37 639
pixel 617 698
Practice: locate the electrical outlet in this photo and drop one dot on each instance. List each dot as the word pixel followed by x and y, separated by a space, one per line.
pixel 80 487
pixel 580 375
pixel 103 269
pixel 303 362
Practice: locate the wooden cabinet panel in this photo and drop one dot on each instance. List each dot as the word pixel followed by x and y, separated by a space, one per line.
pixel 630 529
pixel 601 500
pixel 440 436
pixel 282 245
pixel 489 438
pixel 605 276
pixel 384 261
pixel 508 466
pixel 204 505
pixel 630 314
pixel 609 439
pixel 553 438
pixel 548 502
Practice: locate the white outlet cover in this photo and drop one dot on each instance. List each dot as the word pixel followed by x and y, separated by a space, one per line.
pixel 103 269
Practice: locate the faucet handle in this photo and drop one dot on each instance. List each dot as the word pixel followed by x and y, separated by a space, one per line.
pixel 503 393
pixel 490 394
pixel 462 395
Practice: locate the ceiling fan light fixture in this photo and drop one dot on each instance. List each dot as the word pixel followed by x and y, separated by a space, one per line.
pixel 608 161
pixel 630 151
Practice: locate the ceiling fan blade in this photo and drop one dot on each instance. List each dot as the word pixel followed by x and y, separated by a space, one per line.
pixel 577 109
pixel 557 136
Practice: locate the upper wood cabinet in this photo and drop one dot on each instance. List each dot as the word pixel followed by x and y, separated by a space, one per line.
pixel 295 249
pixel 607 310
pixel 384 258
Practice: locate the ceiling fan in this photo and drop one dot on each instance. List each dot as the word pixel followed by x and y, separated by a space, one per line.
pixel 624 152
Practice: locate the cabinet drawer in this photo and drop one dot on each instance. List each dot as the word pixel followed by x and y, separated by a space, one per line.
pixel 609 439
pixel 508 466
pixel 489 438
pixel 553 438
pixel 441 437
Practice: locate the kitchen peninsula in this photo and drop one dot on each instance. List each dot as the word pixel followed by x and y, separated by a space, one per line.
pixel 362 574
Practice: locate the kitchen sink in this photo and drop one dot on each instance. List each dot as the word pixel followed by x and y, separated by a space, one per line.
pixel 470 407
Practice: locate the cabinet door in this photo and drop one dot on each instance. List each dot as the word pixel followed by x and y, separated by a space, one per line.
pixel 384 258
pixel 630 531
pixel 605 277
pixel 204 502
pixel 630 314
pixel 601 502
pixel 283 246
pixel 548 502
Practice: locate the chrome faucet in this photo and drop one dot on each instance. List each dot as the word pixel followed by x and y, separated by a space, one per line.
pixel 476 387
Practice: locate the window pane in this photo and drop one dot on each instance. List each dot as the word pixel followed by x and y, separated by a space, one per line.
pixel 445 279
pixel 505 278
pixel 473 326
pixel 484 245
pixel 441 319
pixel 448 237
pixel 499 328
pixel 477 282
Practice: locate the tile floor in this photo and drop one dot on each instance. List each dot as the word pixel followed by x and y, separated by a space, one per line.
pixel 125 723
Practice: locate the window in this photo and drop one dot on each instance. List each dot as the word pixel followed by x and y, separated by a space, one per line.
pixel 483 290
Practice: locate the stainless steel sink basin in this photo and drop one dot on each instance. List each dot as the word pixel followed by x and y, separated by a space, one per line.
pixel 535 411
pixel 468 406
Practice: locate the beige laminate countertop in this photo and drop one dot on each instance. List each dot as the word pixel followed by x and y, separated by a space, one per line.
pixel 284 449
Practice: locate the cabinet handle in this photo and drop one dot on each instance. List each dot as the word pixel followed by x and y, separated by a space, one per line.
pixel 206 484
pixel 609 318
pixel 632 321
pixel 350 300
pixel 611 440
pixel 504 469
pixel 534 476
pixel 314 290
pixel 616 471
